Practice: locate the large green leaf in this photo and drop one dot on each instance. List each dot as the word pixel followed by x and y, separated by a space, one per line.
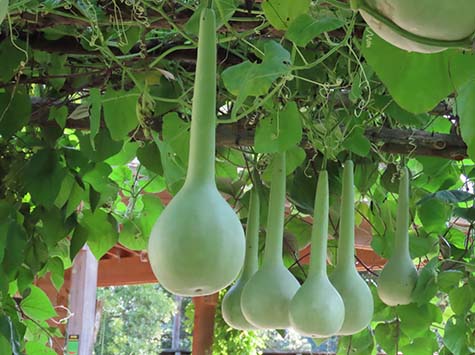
pixel 280 131
pixel 37 305
pixel 417 82
pixel 10 57
pixel 120 112
pixel 15 245
pixel 15 111
pixel 305 28
pixel 280 13
pixel 462 299
pixel 466 111
pixel 455 336
pixel 101 229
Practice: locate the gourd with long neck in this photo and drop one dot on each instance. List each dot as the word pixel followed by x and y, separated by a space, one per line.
pixel 317 309
pixel 266 296
pixel 197 245
pixel 231 305
pixel 399 276
pixel 350 285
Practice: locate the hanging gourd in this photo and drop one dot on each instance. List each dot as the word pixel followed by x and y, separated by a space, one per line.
pixel 266 296
pixel 317 309
pixel 424 26
pixel 197 245
pixel 231 305
pixel 399 276
pixel 350 285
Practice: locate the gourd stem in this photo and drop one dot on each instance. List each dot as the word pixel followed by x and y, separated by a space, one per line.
pixel 275 217
pixel 465 43
pixel 401 242
pixel 346 241
pixel 252 234
pixel 203 116
pixel 318 256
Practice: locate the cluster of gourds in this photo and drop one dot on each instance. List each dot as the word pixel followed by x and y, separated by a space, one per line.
pixel 197 246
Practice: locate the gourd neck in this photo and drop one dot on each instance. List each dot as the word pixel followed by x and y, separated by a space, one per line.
pixel 318 256
pixel 275 218
pixel 401 240
pixel 346 241
pixel 252 234
pixel 201 160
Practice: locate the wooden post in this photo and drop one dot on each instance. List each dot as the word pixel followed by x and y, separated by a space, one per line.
pixel 177 326
pixel 82 301
pixel 203 328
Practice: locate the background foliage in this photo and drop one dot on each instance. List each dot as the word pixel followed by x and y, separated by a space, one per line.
pixel 95 101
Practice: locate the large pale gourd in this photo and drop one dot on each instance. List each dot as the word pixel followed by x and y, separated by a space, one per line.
pixel 231 306
pixel 317 309
pixel 350 285
pixel 399 276
pixel 197 245
pixel 424 26
pixel 266 296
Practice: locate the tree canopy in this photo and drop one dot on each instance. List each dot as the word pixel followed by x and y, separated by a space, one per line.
pixel 95 103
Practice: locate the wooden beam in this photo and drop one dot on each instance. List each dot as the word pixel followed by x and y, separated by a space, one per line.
pixel 203 328
pixel 124 271
pixel 82 300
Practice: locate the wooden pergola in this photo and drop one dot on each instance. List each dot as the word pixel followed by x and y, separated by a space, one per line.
pixel 121 266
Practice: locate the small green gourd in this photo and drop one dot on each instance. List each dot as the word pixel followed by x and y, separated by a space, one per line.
pixel 266 296
pixel 197 245
pixel 231 305
pixel 399 276
pixel 317 309
pixel 350 285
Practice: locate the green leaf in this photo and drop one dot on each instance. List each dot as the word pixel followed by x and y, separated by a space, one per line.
pixel 304 28
pixel 449 196
pixel 466 111
pixel 426 345
pixel 173 169
pixel 462 299
pixel 361 343
pixel 152 209
pixel 37 305
pixel 434 215
pixel 417 82
pixel 130 38
pixel 280 131
pixel 56 268
pixel 449 279
pixel 10 57
pixel 44 176
pixel 101 229
pixel 95 113
pixel 149 157
pixel 251 79
pixel 465 213
pixel 15 112
pixel 59 114
pixel 15 244
pixel 36 348
pixel 280 13
pixel 55 226
pixel 426 286
pixel 386 335
pixel 78 240
pixel 455 336
pixel 36 254
pixel 105 146
pixel 120 112
pixel 357 142
pixel 416 320
pixel 176 133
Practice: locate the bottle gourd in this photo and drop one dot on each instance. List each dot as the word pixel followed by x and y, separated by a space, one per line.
pixel 266 296
pixel 317 309
pixel 424 26
pixel 197 245
pixel 231 305
pixel 399 276
pixel 345 278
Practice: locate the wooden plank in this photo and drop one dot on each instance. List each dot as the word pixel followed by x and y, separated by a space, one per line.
pixel 125 271
pixel 203 326
pixel 82 300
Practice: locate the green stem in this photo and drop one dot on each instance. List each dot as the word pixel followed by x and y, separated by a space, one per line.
pixel 275 219
pixel 346 241
pixel 318 257
pixel 465 43
pixel 401 242
pixel 252 234
pixel 203 116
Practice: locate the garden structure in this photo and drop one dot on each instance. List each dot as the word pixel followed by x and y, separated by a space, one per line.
pixel 274 149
